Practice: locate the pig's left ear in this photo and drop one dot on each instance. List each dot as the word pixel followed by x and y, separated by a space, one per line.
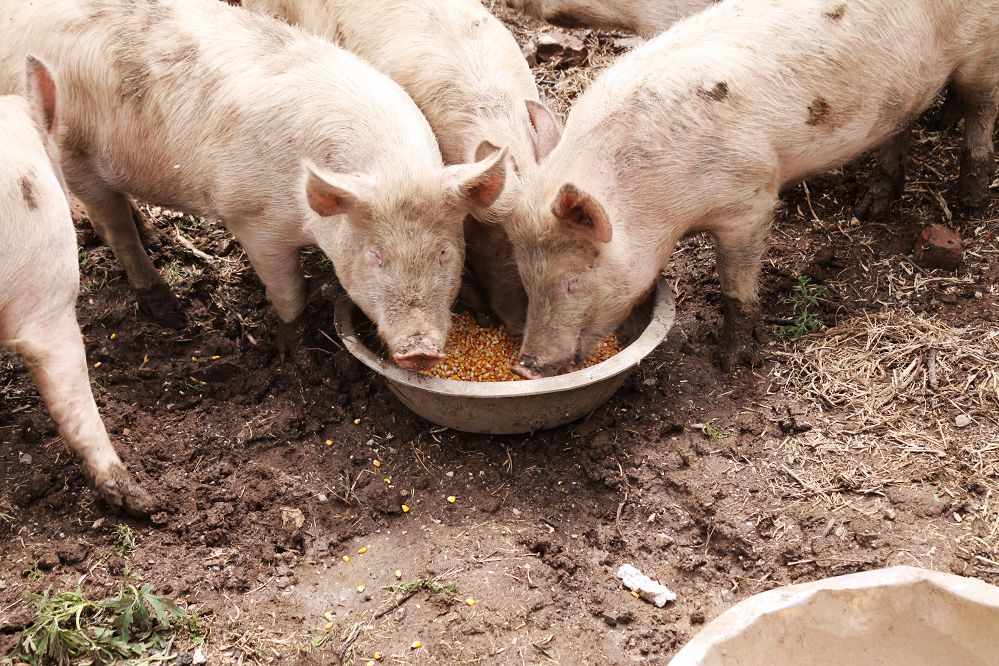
pixel 479 185
pixel 330 193
pixel 41 93
pixel 546 129
pixel 581 214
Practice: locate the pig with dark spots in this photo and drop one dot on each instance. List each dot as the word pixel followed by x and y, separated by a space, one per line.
pixel 466 72
pixel 39 282
pixel 646 157
pixel 288 139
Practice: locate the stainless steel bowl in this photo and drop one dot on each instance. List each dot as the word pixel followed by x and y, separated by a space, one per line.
pixel 516 406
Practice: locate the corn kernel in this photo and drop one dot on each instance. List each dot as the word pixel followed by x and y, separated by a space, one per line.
pixel 362 550
pixel 397 573
pixel 360 588
pixel 377 656
pixel 329 625
pixel 216 357
pixel 387 480
pixel 417 645
pixel 370 662
pixel 482 354
pixel 405 508
pixel 346 558
pixel 452 499
pixel 328 616
pixel 114 335
pixel 470 601
pixel 357 421
pixel 194 358
pixel 378 463
pixel 97 365
pixel 635 594
pixel 329 442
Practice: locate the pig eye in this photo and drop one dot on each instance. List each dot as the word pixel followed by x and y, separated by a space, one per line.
pixel 374 257
pixel 444 255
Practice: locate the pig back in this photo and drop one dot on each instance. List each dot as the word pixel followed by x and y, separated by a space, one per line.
pixel 208 108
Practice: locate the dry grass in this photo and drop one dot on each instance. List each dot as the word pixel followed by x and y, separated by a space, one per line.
pixel 884 395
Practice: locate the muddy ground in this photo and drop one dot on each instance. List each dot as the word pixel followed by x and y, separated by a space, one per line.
pixel 796 478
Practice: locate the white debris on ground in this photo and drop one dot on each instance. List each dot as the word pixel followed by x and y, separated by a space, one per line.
pixel 647 589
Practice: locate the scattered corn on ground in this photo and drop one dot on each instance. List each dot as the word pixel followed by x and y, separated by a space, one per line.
pixel 479 354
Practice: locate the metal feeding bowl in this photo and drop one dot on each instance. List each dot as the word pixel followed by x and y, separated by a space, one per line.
pixel 500 408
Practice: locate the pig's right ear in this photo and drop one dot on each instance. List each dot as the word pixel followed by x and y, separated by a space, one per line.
pixel 479 185
pixel 41 93
pixel 330 193
pixel 580 214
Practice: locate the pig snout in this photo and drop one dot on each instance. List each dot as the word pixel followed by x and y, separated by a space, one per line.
pixel 418 352
pixel 530 367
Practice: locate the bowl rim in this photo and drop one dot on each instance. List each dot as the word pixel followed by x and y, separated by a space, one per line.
pixel 663 316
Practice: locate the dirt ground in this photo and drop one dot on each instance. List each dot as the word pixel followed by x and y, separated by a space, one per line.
pixel 841 453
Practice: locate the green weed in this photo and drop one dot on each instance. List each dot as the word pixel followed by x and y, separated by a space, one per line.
pixel 123 541
pixel 428 584
pixel 134 628
pixel 804 301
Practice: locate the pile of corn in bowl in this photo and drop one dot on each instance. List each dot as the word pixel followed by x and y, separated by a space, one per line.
pixel 480 354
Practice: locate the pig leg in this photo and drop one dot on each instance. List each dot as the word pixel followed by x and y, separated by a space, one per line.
pixel 114 218
pixel 887 179
pixel 54 355
pixel 981 104
pixel 739 246
pixel 280 269
pixel 950 114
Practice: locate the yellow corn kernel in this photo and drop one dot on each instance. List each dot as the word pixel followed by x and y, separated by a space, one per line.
pixel 216 357
pixel 387 480
pixel 329 625
pixel 329 442
pixel 357 421
pixel 194 358
pixel 470 601
pixel 346 558
pixel 405 508
pixel 97 365
pixel 360 588
pixel 362 550
pixel 488 354
pixel 370 662
pixel 417 645
pixel 114 335
pixel 397 573
pixel 328 616
pixel 378 463
pixel 452 499
pixel 377 656
pixel 635 594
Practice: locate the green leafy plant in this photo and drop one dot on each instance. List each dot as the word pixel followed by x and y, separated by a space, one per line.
pixel 804 301
pixel 135 627
pixel 712 432
pixel 32 573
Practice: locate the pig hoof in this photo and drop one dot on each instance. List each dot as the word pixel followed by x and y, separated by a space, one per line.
pixel 161 307
pixel 122 493
pixel 972 201
pixel 741 333
pixel 877 202
pixel 289 336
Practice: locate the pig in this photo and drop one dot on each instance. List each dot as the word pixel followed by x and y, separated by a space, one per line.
pixel 289 140
pixel 700 128
pixel 39 282
pixel 646 18
pixel 466 73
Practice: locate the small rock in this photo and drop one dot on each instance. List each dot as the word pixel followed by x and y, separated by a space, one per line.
pixel 962 421
pixel 284 582
pixel 184 659
pixel 938 247
pixel 72 553
pixel 663 540
pixel 47 560
pixel 564 49
pixel 24 458
pixel 291 519
pixel 399 615
pixel 614 618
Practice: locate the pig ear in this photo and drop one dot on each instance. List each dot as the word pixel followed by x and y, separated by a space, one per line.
pixel 330 193
pixel 581 214
pixel 546 129
pixel 480 184
pixel 41 93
